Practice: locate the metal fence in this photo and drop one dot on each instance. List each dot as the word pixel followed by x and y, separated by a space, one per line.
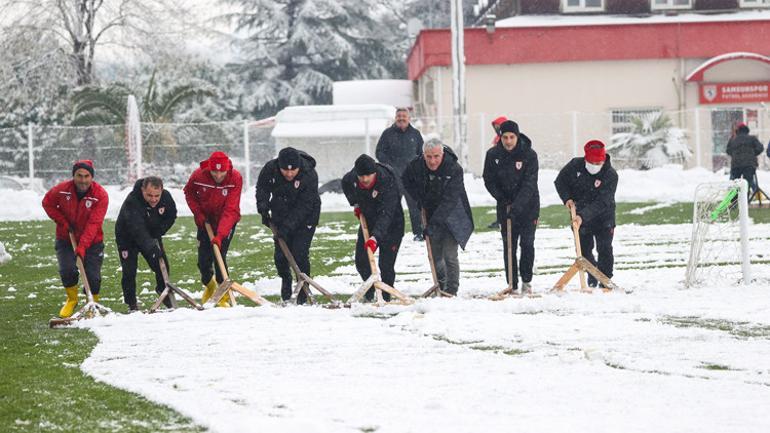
pixel 42 155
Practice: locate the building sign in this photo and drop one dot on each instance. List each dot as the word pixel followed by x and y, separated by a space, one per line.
pixel 725 93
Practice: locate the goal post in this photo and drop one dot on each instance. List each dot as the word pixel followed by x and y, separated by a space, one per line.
pixel 719 247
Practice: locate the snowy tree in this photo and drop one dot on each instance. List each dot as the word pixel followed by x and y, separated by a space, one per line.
pixel 652 141
pixel 84 25
pixel 297 48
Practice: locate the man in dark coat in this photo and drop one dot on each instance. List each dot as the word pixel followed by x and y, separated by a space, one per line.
pixel 146 215
pixel 287 195
pixel 435 180
pixel 510 175
pixel 374 192
pixel 588 185
pixel 398 145
pixel 743 150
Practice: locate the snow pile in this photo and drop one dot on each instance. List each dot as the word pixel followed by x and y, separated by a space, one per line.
pixel 664 184
pixel 4 256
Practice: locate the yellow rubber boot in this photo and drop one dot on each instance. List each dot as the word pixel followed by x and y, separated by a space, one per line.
pixel 225 301
pixel 96 298
pixel 208 292
pixel 72 301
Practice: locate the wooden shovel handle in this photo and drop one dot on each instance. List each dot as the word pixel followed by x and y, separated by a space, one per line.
pixel 217 253
pixel 424 218
pixel 369 253
pixel 81 268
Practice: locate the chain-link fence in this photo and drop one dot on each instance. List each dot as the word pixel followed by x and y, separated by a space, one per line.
pixel 174 150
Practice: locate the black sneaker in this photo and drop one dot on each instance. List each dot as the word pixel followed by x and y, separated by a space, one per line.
pixel 132 308
pixel 418 237
pixel 494 225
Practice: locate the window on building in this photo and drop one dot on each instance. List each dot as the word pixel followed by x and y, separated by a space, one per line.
pixel 622 118
pixel 582 5
pixel 672 4
pixel 755 3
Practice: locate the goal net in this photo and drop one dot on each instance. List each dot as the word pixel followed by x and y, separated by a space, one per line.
pixel 719 249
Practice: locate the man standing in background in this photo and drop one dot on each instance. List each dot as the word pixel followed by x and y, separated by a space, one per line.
pixel 398 145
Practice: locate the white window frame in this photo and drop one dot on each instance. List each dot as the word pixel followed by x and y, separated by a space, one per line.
pixel 582 8
pixel 670 5
pixel 754 4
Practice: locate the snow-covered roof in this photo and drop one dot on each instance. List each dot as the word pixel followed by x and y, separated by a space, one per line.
pixel 594 20
pixel 333 121
pixel 391 92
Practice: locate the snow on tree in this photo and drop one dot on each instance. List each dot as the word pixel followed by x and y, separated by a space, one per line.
pixel 652 141
pixel 297 48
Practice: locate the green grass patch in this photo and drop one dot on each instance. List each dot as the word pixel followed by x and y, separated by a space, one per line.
pixel 715 367
pixel 737 329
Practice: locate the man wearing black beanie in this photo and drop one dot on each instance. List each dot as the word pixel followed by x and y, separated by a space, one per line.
pixel 373 190
pixel 287 195
pixel 510 175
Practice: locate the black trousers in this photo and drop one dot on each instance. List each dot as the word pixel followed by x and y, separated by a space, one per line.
pixel 414 214
pixel 128 263
pixel 748 173
pixel 445 257
pixel 602 238
pixel 298 242
pixel 68 270
pixel 388 249
pixel 206 256
pixel 522 232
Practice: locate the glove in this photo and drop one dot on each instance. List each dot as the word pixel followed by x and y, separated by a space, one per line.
pixel 217 240
pixel 80 251
pixel 372 244
pixel 200 220
pixel 357 212
pixel 153 257
pixel 266 219
pixel 427 231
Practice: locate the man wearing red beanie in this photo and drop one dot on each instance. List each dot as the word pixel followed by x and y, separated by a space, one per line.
pixel 78 206
pixel 588 185
pixel 213 194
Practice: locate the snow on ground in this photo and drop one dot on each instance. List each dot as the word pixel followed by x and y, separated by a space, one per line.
pixel 665 184
pixel 660 359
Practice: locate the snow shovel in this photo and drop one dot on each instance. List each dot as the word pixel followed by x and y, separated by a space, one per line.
pixel 303 280
pixel 435 289
pixel 228 286
pixel 581 266
pixel 171 289
pixel 374 279
pixel 92 308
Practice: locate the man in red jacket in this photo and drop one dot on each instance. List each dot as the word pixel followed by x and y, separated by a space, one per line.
pixel 78 206
pixel 213 194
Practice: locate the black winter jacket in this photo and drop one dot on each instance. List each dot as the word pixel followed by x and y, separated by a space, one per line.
pixel 397 148
pixel 442 194
pixel 511 178
pixel 743 150
pixel 594 195
pixel 291 203
pixel 139 224
pixel 381 205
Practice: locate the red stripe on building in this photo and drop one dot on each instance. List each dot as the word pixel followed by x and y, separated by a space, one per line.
pixel 514 45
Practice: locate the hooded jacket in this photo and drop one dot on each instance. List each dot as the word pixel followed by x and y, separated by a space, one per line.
pixel 442 194
pixel 381 205
pixel 139 223
pixel 743 150
pixel 219 203
pixel 291 203
pixel 511 178
pixel 594 195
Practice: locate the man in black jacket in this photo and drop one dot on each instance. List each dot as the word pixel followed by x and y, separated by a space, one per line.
pixel 743 150
pixel 435 180
pixel 287 195
pixel 398 145
pixel 510 175
pixel 373 191
pixel 588 185
pixel 146 215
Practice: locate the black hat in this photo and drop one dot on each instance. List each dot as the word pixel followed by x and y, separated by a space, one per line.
pixel 509 126
pixel 86 164
pixel 365 165
pixel 288 158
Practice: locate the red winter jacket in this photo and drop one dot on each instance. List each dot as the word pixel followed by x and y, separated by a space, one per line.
pixel 85 216
pixel 220 204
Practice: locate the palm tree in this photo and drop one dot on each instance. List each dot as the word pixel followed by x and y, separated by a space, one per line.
pixel 651 142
